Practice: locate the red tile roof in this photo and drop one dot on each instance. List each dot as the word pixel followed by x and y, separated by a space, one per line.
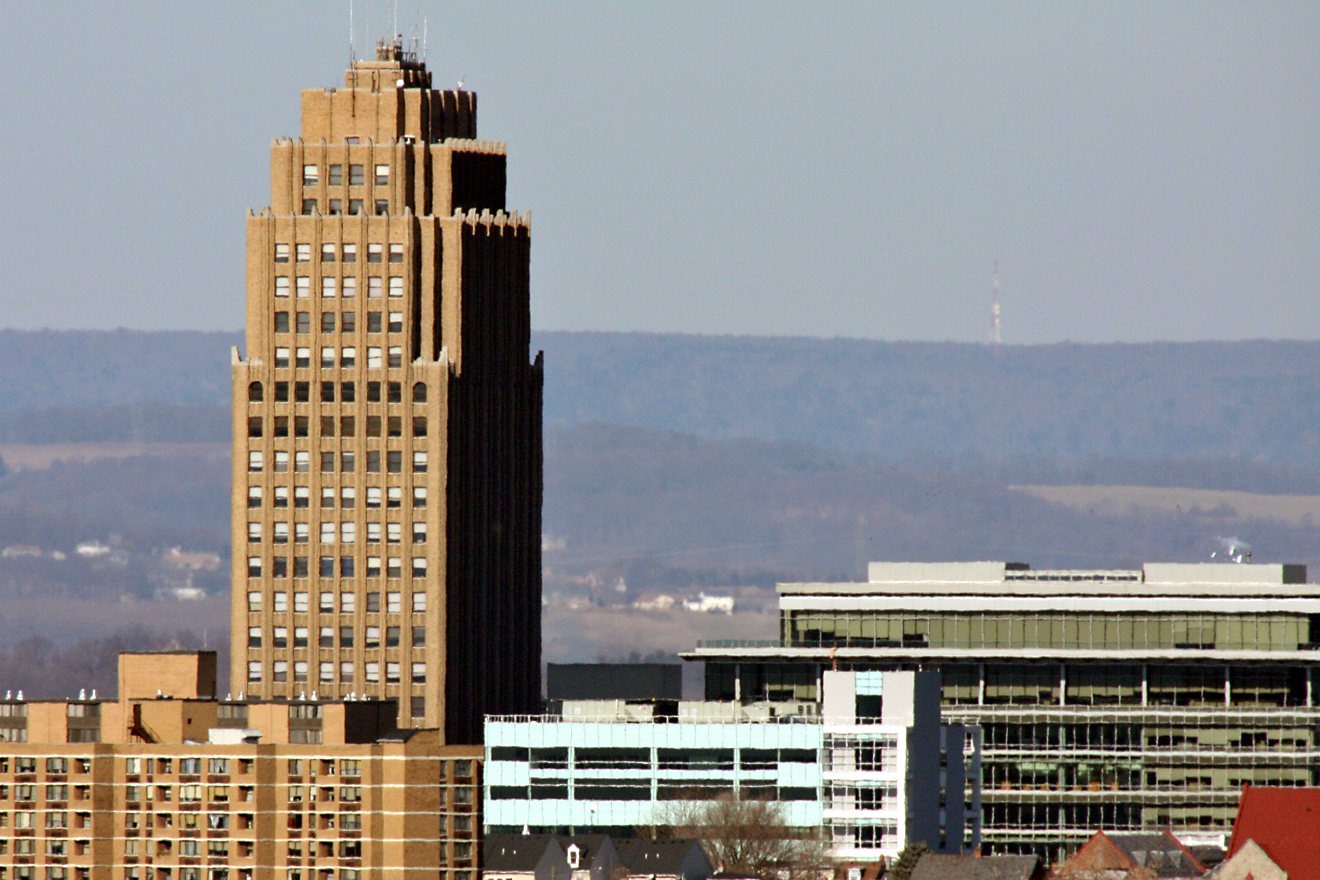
pixel 1285 823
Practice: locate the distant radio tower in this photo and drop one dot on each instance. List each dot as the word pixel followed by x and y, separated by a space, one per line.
pixel 994 308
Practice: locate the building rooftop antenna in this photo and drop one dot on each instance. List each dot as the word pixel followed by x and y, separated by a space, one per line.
pixel 352 37
pixel 995 341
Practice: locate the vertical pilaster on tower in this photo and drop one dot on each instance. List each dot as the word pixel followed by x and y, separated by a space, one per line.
pixel 387 423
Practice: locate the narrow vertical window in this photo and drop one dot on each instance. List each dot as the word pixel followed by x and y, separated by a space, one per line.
pixel 327 253
pixel 311 175
pixel 382 175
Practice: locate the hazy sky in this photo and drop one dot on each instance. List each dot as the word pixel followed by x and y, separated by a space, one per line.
pixel 1140 171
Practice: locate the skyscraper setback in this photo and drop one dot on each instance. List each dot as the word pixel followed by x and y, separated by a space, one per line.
pixel 387 421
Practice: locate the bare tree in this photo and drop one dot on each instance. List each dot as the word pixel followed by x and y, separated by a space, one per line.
pixel 747 837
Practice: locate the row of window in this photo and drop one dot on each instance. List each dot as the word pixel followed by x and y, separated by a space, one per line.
pixel 371 672
pixel 356 207
pixel 302 392
pixel 394 566
pixel 302 462
pixel 301 533
pixel 162 872
pixel 375 426
pixel 335 175
pixel 391 495
pixel 303 322
pixel 347 601
pixel 332 287
pixel 346 252
pixel 279 637
pixel 347 357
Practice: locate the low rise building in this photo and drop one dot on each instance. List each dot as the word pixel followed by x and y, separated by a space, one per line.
pixel 872 767
pixel 168 782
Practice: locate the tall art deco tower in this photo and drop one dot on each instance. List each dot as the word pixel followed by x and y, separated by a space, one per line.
pixel 387 423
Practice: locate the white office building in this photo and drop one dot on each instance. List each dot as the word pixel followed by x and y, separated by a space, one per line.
pixel 870 767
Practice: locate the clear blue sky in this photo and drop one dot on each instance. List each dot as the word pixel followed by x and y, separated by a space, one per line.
pixel 1140 171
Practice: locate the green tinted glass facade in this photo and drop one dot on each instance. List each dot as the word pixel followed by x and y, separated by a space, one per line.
pixel 1050 630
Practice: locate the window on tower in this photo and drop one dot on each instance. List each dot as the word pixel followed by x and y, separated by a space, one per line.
pixel 282 286
pixel 281 322
pixel 382 175
pixel 281 253
pixel 303 252
pixel 348 321
pixel 355 206
pixel 304 322
pixel 311 175
pixel 350 253
pixel 308 207
pixel 382 206
pixel 335 177
pixel 396 322
pixel 356 175
pixel 373 322
pixel 396 286
pixel 396 252
pixel 374 253
pixel 419 426
pixel 348 288
pixel 327 253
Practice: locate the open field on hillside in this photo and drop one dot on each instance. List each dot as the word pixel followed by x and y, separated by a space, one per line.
pixel 38 456
pixel 1294 510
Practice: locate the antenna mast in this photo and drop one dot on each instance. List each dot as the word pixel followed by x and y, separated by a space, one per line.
pixel 995 341
pixel 352 37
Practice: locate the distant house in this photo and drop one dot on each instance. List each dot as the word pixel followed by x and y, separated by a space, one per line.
pixel 933 866
pixel 654 602
pixel 665 859
pixel 709 604
pixel 177 558
pixel 549 857
pixel 1284 823
pixel 1126 855
pixel 1249 863
pixel 521 857
pixel 91 548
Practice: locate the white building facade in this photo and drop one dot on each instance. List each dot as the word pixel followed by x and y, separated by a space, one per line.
pixel 873 771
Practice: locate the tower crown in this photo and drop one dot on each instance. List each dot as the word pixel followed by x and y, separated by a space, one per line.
pixel 386 100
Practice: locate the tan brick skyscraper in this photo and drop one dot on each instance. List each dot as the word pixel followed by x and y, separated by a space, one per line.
pixel 387 423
